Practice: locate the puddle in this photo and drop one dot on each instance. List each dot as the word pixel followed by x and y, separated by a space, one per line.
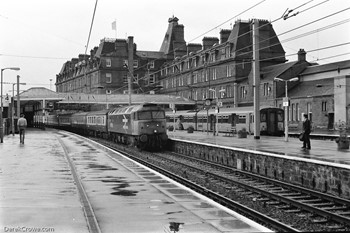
pixel 102 167
pixel 63 170
pixel 188 197
pixel 122 185
pixel 158 181
pixel 177 191
pixel 125 193
pixel 114 180
pixel 175 226
pixel 169 202
pixel 168 186
pixel 219 213
pixel 152 177
pixel 174 212
pixel 203 205
pixel 146 174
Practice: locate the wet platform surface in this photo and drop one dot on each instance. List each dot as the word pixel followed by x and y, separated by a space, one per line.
pixel 321 150
pixel 37 190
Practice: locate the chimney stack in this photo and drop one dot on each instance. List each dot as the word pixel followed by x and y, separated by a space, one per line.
pixel 224 35
pixel 301 55
pixel 208 42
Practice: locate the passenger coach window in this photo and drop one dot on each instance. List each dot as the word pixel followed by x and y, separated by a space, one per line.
pixel 158 115
pixel 280 116
pixel 262 117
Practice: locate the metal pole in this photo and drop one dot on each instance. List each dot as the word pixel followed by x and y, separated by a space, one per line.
pixel 207 120
pixel 18 99
pixel 13 109
pixel 256 79
pixel 130 64
pixel 286 114
pixel 1 120
pixel 217 116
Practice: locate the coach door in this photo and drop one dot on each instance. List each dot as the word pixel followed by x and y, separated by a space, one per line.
pixel 271 123
pixel 212 121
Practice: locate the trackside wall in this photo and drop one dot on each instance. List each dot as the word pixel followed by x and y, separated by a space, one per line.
pixel 317 175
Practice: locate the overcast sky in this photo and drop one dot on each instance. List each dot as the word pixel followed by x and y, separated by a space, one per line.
pixel 40 35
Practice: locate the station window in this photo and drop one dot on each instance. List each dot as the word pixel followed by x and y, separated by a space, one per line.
pixel 324 106
pixel 151 64
pixel 125 78
pixel 136 63
pixel 108 78
pixel 108 62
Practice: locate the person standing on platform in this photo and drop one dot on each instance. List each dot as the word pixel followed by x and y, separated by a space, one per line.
pixel 22 125
pixel 306 131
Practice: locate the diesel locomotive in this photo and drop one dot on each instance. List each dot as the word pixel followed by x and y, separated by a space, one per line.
pixel 142 126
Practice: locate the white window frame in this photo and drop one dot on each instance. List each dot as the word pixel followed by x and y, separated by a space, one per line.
pixel 151 64
pixel 108 62
pixel 214 73
pixel 151 79
pixel 108 78
pixel 136 63
pixel 125 78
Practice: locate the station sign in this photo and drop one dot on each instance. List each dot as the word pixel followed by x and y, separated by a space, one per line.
pixel 285 102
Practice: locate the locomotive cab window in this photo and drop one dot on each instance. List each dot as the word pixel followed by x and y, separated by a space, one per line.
pixel 144 115
pixel 158 115
pixel 151 115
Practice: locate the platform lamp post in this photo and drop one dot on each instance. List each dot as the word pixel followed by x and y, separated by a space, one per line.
pixel 286 104
pixel 130 77
pixel 218 105
pixel 1 120
pixel 207 104
pixel 13 107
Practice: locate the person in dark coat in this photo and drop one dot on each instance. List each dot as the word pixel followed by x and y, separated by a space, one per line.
pixel 306 131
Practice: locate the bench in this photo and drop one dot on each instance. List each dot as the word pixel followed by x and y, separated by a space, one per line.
pixel 232 131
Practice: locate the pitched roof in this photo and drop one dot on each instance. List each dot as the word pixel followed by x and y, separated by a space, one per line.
pixel 270 72
pixel 150 54
pixel 106 46
pixel 322 87
pixel 39 93
pixel 326 67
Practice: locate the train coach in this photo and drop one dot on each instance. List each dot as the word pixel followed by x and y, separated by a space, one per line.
pixel 228 119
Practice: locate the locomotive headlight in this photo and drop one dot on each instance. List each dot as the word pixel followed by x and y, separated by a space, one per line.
pixel 155 131
pixel 147 126
pixel 157 125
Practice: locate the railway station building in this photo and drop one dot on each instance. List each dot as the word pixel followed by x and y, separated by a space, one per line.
pixel 219 69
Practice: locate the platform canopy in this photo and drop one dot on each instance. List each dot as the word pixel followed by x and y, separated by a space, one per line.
pixel 122 99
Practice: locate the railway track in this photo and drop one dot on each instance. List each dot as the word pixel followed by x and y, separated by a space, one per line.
pixel 290 207
pixel 329 213
pixel 146 160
